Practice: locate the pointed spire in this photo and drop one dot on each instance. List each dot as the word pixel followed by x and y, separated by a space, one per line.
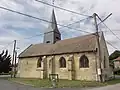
pixel 53 20
pixel 53 24
pixel 52 34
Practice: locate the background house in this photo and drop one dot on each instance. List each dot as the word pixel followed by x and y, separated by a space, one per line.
pixel 117 63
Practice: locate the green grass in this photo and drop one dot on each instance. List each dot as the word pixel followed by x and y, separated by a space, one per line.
pixel 63 83
pixel 111 82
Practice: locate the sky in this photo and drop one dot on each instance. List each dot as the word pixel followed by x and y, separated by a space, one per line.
pixel 18 27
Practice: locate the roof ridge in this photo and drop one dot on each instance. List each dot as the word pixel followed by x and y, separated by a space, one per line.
pixel 67 39
pixel 77 37
pixel 76 44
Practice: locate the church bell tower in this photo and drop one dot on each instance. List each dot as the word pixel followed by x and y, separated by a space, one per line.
pixel 52 34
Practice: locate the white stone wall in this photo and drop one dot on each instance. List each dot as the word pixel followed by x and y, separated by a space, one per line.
pixel 106 71
pixel 85 73
pixel 117 64
pixel 28 67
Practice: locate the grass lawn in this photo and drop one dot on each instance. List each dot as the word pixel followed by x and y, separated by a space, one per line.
pixel 63 83
pixel 111 82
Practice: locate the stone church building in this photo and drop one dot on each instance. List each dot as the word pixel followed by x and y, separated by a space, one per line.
pixel 73 59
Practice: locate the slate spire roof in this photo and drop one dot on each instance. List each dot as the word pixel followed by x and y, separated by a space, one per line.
pixel 53 25
pixel 52 34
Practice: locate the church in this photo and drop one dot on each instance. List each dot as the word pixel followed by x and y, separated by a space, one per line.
pixel 73 59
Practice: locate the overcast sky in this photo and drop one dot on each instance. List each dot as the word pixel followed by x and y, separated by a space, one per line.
pixel 14 26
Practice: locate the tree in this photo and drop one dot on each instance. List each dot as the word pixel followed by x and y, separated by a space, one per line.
pixel 5 62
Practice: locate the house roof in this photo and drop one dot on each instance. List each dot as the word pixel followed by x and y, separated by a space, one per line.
pixel 72 45
pixel 117 59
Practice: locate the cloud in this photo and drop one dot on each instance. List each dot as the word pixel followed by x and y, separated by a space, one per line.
pixel 14 26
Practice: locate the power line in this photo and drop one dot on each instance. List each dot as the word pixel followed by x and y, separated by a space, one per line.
pixel 109 42
pixel 77 21
pixel 59 28
pixel 111 45
pixel 43 33
pixel 102 21
pixel 20 40
pixel 111 31
pixel 31 37
pixel 105 18
pixel 24 14
pixel 108 27
pixel 40 19
pixel 49 21
pixel 62 8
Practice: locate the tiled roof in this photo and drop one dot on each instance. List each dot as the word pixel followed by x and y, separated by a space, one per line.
pixel 118 59
pixel 72 45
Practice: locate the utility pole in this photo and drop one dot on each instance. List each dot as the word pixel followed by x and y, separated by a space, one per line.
pixel 99 52
pixel 15 64
pixel 14 47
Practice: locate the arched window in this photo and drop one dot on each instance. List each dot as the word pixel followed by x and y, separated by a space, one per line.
pixel 39 64
pixel 62 62
pixel 84 62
